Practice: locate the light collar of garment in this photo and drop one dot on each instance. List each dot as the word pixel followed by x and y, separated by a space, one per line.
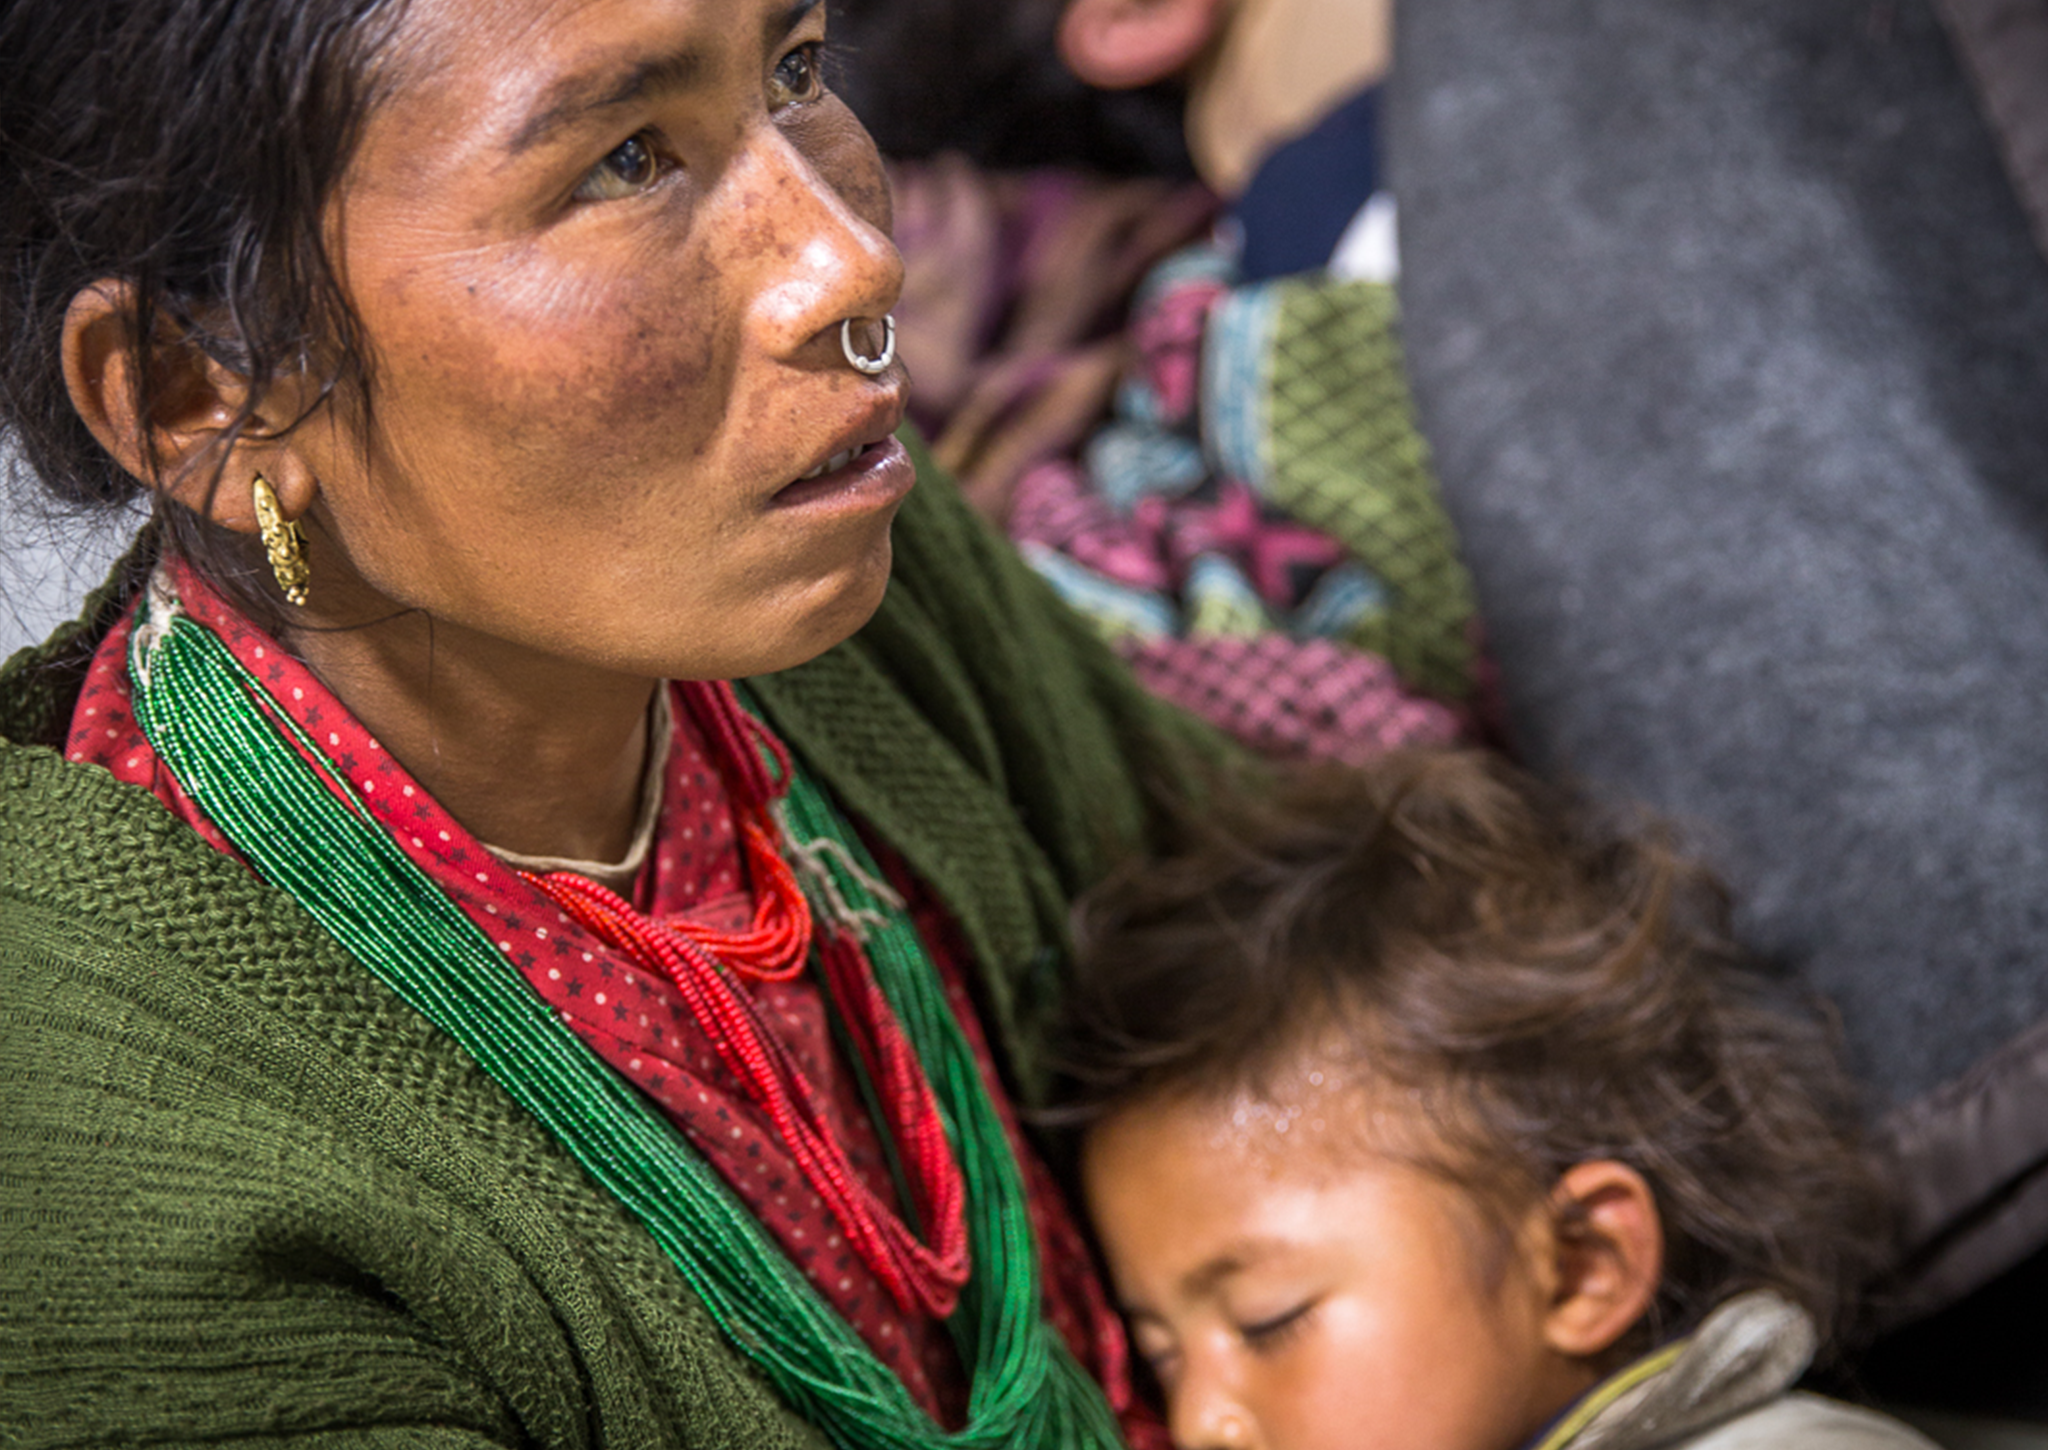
pixel 618 875
pixel 1283 66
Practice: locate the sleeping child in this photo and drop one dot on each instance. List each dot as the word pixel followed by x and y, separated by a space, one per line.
pixel 1419 1116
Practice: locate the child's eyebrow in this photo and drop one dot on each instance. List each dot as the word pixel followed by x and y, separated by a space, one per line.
pixel 1234 1258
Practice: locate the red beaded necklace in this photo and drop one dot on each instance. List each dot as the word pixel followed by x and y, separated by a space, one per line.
pixel 709 967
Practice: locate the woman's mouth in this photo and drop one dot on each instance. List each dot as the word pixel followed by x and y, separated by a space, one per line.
pixel 867 476
pixel 833 464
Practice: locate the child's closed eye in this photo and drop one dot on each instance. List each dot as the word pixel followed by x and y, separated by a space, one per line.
pixel 1271 1333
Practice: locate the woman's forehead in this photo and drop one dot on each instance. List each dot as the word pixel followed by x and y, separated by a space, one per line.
pixel 528 64
pixel 477 103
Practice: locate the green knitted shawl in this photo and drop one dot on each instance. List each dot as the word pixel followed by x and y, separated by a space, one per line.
pixel 247 1196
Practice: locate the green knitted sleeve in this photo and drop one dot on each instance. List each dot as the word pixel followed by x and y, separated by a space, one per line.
pixel 982 728
pixel 1090 757
pixel 248 1197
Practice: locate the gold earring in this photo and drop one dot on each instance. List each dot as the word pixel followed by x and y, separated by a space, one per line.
pixel 282 541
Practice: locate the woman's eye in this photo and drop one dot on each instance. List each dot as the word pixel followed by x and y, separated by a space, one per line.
pixel 798 76
pixel 632 167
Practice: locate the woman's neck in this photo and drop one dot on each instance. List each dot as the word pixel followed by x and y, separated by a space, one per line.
pixel 538 755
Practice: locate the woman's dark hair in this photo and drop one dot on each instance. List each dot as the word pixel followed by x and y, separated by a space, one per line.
pixel 186 148
pixel 1551 992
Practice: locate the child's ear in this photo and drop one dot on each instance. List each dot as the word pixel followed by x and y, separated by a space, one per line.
pixel 1609 1248
pixel 175 450
pixel 1121 43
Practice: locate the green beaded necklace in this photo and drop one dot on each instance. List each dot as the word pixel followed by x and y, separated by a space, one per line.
pixel 308 834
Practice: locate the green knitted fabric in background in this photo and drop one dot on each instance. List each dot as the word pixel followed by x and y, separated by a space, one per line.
pixel 1346 457
pixel 248 1197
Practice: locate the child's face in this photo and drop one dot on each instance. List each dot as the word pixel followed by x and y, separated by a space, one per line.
pixel 1296 1290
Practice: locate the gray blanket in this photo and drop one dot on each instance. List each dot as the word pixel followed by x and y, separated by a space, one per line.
pixel 1732 342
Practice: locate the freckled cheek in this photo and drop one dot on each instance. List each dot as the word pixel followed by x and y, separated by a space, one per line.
pixel 622 370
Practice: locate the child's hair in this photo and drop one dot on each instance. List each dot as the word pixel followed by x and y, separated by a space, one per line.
pixel 1549 991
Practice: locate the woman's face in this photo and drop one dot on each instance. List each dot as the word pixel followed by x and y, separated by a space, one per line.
pixel 601 251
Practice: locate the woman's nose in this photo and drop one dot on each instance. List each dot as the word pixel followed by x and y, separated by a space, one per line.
pixel 816 259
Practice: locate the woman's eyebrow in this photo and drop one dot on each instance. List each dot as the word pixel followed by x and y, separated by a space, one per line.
pixel 585 93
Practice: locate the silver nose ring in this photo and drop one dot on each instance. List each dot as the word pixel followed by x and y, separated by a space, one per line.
pixel 870 365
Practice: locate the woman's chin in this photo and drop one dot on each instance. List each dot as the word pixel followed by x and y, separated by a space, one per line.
pixel 791 628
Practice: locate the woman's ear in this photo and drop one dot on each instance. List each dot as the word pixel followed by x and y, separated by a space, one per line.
pixel 1120 43
pixel 1609 1248
pixel 176 450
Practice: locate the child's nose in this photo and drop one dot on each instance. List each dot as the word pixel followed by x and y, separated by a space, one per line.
pixel 1200 1416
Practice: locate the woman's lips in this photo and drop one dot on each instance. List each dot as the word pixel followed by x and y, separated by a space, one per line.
pixel 875 475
